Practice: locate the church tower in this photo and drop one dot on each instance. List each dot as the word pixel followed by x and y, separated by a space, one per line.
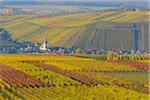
pixel 44 45
pixel 46 42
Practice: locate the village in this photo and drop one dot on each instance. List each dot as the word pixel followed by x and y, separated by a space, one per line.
pixel 9 45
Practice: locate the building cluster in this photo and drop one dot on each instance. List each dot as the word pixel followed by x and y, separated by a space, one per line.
pixel 19 48
pixel 8 11
pixel 59 50
pixel 8 45
pixel 36 48
pixel 27 47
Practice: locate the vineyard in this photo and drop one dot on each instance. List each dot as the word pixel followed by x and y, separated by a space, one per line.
pixel 73 77
pixel 88 30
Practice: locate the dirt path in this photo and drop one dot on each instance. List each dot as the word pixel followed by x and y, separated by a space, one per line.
pixel 17 78
pixel 138 65
pixel 72 74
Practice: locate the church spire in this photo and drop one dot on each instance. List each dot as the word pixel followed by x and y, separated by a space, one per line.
pixel 44 45
pixel 46 42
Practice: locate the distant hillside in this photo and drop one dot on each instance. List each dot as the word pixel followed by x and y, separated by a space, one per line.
pixel 92 3
pixel 118 36
pixel 111 29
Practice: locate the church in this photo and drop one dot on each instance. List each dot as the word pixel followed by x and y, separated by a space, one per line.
pixel 44 46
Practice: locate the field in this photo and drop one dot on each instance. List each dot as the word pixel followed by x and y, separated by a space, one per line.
pixel 72 30
pixel 73 77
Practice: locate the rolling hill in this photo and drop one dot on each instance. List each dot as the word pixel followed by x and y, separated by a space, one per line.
pixel 107 29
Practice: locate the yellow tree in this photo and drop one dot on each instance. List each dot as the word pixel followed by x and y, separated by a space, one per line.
pixel 78 51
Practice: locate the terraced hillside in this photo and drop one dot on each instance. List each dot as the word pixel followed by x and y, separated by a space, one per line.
pixel 109 29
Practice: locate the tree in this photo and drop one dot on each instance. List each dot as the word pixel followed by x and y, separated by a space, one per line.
pixel 78 51
pixel 111 56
